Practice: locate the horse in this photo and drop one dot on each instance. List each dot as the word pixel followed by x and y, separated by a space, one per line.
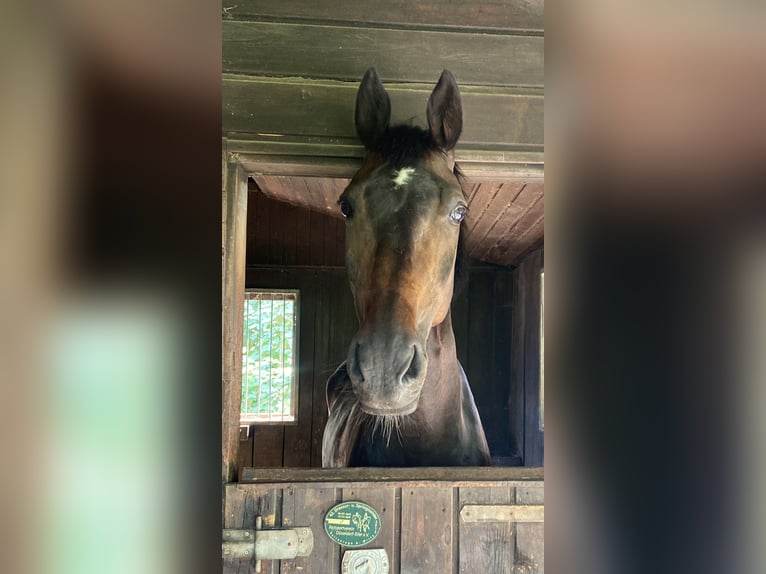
pixel 401 398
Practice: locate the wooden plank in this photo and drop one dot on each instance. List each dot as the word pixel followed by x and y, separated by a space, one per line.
pixel 517 238
pixel 427 530
pixel 240 510
pixel 245 458
pixel 276 228
pixel 268 445
pixel 303 249
pixel 337 52
pixel 488 205
pixel 530 537
pixel 503 513
pixel 234 264
pixel 340 157
pixel 498 208
pixel 298 437
pixel 486 547
pixel 481 361
pixel 386 501
pixel 289 235
pixel 298 107
pixel 259 229
pixel 493 14
pixel 534 446
pixel 471 476
pixel 321 362
pixel 506 450
pixel 306 507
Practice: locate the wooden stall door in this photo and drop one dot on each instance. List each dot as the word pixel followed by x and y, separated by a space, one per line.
pixel 426 525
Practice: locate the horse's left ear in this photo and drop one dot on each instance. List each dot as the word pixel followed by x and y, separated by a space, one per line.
pixel 445 112
pixel 373 109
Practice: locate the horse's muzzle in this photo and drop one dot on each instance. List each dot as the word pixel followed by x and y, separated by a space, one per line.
pixel 387 373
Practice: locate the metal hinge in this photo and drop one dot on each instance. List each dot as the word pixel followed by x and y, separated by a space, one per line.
pixel 285 544
pixel 502 513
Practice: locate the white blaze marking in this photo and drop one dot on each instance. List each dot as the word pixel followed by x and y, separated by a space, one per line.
pixel 404 175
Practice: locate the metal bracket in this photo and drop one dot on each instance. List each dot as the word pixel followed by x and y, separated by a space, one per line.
pixel 285 544
pixel 502 513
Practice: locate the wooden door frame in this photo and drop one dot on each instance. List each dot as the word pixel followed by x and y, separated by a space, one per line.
pixel 240 159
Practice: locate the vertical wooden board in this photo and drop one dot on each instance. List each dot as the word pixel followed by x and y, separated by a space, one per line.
pixel 503 301
pixel 316 227
pixel 319 416
pixel 303 237
pixel 386 500
pixel 260 229
pixel 245 458
pixel 268 445
pixel 329 246
pixel 428 516
pixel 534 438
pixel 289 234
pixel 516 351
pixel 486 547
pixel 241 508
pixel 298 437
pixel 481 362
pixel 232 304
pixel 306 507
pixel 530 537
pixel 276 227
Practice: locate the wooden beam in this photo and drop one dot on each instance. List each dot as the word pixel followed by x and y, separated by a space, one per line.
pixel 284 107
pixel 491 14
pixel 422 476
pixel 341 158
pixel 235 241
pixel 341 52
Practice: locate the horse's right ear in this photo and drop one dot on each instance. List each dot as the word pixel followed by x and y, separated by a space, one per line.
pixel 373 109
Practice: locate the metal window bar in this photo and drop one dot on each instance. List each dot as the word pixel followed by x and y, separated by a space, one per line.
pixel 269 357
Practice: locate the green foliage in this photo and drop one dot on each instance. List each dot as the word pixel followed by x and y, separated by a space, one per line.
pixel 267 357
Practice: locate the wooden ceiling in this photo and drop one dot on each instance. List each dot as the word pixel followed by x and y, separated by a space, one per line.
pixel 292 68
pixel 504 221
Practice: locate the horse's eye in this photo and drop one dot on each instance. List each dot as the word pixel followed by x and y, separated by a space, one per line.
pixel 345 207
pixel 458 213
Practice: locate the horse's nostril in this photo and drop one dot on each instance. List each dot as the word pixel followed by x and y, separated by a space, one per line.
pixel 416 366
pixel 354 365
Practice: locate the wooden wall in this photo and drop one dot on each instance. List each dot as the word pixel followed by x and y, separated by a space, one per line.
pixel 424 526
pixel 289 247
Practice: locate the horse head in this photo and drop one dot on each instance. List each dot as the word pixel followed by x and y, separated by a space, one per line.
pixel 403 210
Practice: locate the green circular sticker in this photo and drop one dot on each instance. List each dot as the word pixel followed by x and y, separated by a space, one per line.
pixel 352 523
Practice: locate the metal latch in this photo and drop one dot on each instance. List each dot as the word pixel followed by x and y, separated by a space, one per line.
pixel 502 513
pixel 285 544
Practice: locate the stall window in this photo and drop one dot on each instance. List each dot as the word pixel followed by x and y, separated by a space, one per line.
pixel 270 357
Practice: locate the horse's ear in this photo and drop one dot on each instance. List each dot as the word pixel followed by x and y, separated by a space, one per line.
pixel 373 109
pixel 445 112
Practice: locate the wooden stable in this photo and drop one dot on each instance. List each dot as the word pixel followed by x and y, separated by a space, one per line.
pixel 291 70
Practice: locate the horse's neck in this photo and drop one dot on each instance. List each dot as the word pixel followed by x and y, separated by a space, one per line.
pixel 443 384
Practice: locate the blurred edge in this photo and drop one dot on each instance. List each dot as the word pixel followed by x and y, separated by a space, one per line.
pixel 655 148
pixel 110 306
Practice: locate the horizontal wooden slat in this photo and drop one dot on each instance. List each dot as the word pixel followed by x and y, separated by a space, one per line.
pixel 503 513
pixel 493 14
pixel 424 476
pixel 274 107
pixel 334 157
pixel 344 53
